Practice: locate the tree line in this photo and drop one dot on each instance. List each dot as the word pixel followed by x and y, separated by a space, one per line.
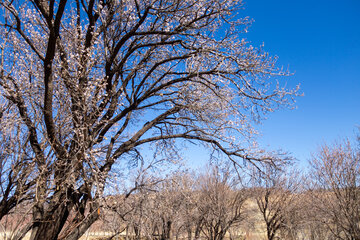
pixel 215 204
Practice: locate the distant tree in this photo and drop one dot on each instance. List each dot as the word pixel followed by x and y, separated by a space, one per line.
pixel 335 193
pixel 275 193
pixel 130 210
pixel 131 214
pixel 312 225
pixel 89 83
pixel 220 203
pixel 153 212
pixel 171 203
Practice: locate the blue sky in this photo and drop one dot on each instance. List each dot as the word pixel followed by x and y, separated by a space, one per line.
pixel 319 41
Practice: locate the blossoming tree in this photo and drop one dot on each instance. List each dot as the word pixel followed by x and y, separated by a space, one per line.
pixel 85 83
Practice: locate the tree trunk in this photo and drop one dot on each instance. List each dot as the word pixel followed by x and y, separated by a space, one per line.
pixel 167 231
pixel 21 234
pixel 189 232
pixel 84 226
pixel 197 232
pixel 127 233
pixel 50 224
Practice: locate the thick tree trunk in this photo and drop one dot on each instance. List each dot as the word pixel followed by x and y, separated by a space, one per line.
pixel 50 224
pixel 21 234
pixel 83 226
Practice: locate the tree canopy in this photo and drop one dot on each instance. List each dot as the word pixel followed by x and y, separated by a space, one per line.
pixel 84 84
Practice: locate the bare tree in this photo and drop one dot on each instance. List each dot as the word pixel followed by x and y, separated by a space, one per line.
pixel 220 203
pixel 313 227
pixel 276 197
pixel 130 214
pixel 156 212
pixel 175 200
pixel 335 195
pixel 92 82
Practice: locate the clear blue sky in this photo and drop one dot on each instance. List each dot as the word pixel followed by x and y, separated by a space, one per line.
pixel 319 41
